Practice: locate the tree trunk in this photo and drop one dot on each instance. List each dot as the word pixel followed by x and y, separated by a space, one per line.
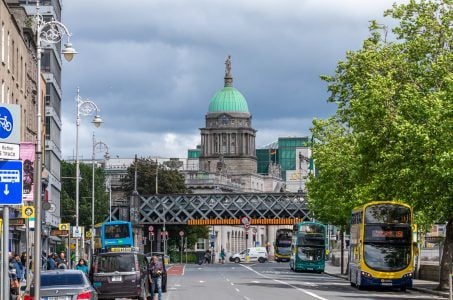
pixel 446 262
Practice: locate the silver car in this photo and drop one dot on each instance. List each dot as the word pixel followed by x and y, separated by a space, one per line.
pixel 64 284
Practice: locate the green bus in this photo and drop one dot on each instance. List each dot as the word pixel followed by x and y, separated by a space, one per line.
pixel 308 247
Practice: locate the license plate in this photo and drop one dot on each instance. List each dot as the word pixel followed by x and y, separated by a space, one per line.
pixel 57 298
pixel 387 282
pixel 116 278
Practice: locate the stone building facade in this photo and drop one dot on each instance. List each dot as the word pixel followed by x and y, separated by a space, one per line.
pixel 228 139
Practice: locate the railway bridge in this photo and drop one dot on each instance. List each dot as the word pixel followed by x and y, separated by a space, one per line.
pixel 214 209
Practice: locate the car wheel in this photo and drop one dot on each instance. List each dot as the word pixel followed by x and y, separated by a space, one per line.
pixel 261 260
pixel 237 260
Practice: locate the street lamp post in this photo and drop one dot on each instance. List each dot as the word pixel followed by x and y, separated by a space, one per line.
pixel 102 147
pixel 50 32
pixel 84 108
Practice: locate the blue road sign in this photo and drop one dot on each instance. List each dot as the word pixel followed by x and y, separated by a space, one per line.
pixel 10 123
pixel 11 182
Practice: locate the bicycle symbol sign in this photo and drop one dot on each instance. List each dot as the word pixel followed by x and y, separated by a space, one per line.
pixel 6 123
pixel 10 123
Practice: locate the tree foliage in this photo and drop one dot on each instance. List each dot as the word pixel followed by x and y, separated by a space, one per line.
pixel 170 181
pixel 391 137
pixel 68 194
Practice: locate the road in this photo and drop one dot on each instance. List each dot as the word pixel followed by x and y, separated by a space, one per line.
pixel 273 281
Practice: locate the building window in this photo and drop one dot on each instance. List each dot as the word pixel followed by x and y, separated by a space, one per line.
pixel 200 244
pixel 7 51
pixel 3 42
pixel 3 91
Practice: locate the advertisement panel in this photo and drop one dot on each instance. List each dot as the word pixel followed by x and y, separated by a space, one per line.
pixel 27 155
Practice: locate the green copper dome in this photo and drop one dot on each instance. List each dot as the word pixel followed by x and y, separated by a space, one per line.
pixel 228 99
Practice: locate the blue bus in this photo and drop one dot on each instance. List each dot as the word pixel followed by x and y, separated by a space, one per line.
pixel 113 234
pixel 308 247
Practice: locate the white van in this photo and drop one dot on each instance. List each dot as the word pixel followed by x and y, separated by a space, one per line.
pixel 251 255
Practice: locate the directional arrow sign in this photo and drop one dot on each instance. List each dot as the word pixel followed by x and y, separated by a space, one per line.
pixel 11 182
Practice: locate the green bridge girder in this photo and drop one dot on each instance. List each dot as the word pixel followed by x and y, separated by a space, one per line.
pixel 180 208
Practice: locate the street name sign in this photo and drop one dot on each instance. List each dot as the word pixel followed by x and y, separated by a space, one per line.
pixel 9 151
pixel 16 221
pixel 11 186
pixel 58 232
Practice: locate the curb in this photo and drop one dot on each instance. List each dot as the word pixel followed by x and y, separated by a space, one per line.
pixel 432 292
pixel 419 289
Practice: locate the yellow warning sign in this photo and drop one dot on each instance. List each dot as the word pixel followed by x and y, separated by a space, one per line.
pixel 28 211
pixel 64 226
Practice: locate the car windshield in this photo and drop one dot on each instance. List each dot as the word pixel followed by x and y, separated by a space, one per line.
pixel 119 262
pixel 387 257
pixel 61 279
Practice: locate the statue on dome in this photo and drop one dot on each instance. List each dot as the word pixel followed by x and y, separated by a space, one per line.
pixel 228 65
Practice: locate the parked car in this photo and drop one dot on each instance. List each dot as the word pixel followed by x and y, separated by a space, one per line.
pixel 64 284
pixel 164 260
pixel 251 255
pixel 122 274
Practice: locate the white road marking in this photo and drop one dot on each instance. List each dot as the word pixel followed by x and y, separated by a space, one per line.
pixel 237 290
pixel 255 281
pixel 177 285
pixel 227 279
pixel 183 270
pixel 246 298
pixel 202 281
pixel 286 283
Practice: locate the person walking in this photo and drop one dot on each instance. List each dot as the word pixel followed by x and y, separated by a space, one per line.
pixel 82 266
pixel 222 256
pixel 61 261
pixel 19 267
pixel 155 270
pixel 51 264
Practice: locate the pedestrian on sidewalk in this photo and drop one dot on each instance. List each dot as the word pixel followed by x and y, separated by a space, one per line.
pixel 82 265
pixel 155 270
pixel 222 256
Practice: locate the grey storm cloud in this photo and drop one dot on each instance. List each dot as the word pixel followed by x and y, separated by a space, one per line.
pixel 153 66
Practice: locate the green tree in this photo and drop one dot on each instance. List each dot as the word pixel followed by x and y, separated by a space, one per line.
pixel 393 126
pixel 68 194
pixel 170 181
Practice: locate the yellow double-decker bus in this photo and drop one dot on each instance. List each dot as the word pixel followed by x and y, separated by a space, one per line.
pixel 381 251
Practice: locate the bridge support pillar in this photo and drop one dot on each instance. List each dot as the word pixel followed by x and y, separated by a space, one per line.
pixel 158 240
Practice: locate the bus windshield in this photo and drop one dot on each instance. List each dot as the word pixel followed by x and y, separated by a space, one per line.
pixel 310 254
pixel 115 231
pixel 311 240
pixel 387 213
pixel 283 243
pixel 384 257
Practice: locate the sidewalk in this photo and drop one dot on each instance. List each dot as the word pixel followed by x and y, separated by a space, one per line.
pixel 424 286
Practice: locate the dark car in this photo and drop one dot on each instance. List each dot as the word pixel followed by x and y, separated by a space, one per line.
pixel 162 258
pixel 64 284
pixel 120 275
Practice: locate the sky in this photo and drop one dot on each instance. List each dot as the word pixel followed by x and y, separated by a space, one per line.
pixel 152 66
